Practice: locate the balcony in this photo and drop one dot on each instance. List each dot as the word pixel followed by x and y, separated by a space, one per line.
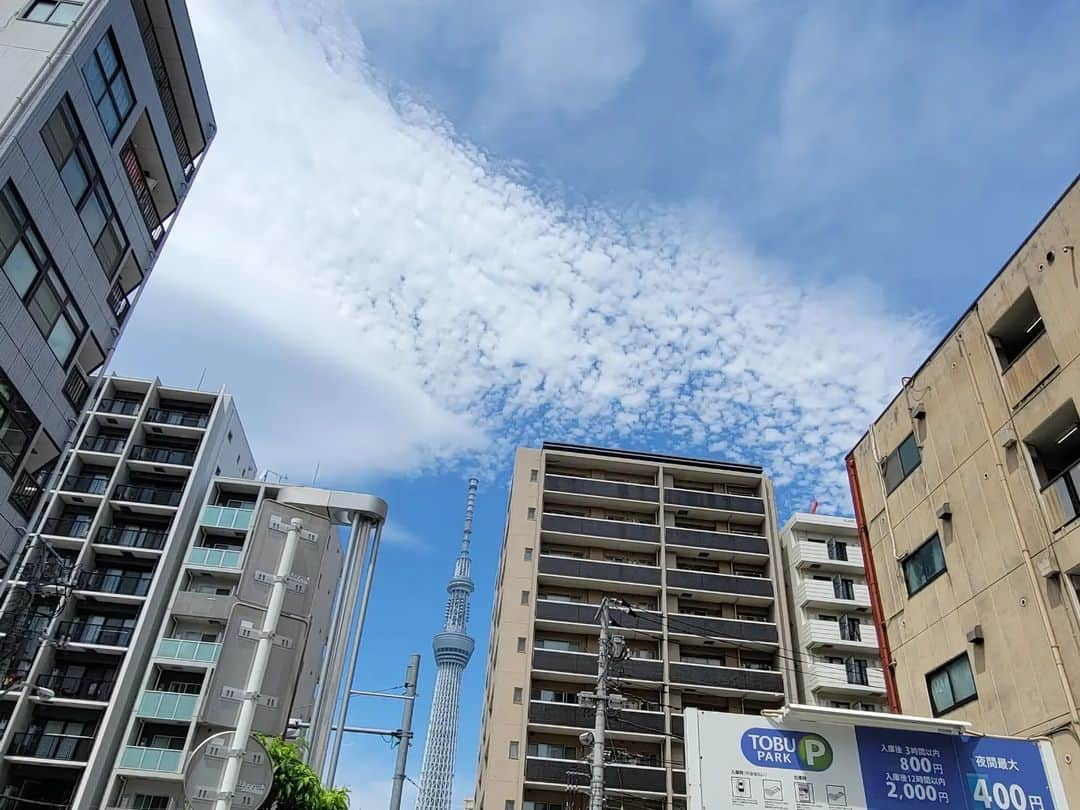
pixel 596 527
pixel 162 760
pixel 733 546
pixel 582 613
pixel 60 747
pixel 87 484
pixel 762 634
pixel 733 680
pixel 840 636
pixel 227 517
pixel 845 679
pixel 156 496
pixel 81 632
pixel 162 455
pixel 821 593
pixel 571 715
pixel 807 554
pixel 199 652
pixel 1062 497
pixel 110 445
pixel 750 589
pixel 168 416
pixel 78 687
pixel 76 388
pixel 119 406
pixel 132 537
pixel 26 492
pixel 173 706
pixel 696 499
pixel 598 488
pixel 555 568
pixel 628 778
pixel 1036 363
pixel 74 527
pixel 584 664
pixel 118 302
pixel 227 559
pixel 165 93
pixel 115 584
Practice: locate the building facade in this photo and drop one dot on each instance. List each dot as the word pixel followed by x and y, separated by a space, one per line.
pixel 104 120
pixel 835 645
pixel 967 493
pixel 96 576
pixel 691 548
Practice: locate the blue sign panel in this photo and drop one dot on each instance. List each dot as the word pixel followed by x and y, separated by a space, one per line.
pixel 905 769
pixel 780 748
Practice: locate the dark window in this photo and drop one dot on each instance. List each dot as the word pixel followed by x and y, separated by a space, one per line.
pixel 70 152
pixel 837 550
pixel 1016 330
pixel 924 565
pixel 30 269
pixel 951 685
pixel 109 85
pixel 17 426
pixel 57 12
pixel 901 463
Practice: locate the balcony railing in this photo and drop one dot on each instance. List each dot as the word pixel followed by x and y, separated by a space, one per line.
pixel 585 664
pixel 78 687
pixel 168 99
pixel 89 484
pixel 25 494
pixel 722 677
pixel 51 746
pixel 103 444
pixel 119 405
pixel 178 649
pixel 163 760
pixel 819 631
pixel 830 593
pixel 601 488
pixel 819 555
pixel 118 302
pixel 583 613
pixel 714 500
pixel 119 584
pixel 596 569
pixel 159 496
pixel 167 706
pixel 76 388
pixel 845 677
pixel 574 716
pixel 80 632
pixel 563 772
pixel 227 517
pixel 1062 497
pixel 717 541
pixel 615 529
pixel 720 583
pixel 162 455
pixel 132 537
pixel 77 527
pixel 215 557
pixel 129 159
pixel 168 416
pixel 717 627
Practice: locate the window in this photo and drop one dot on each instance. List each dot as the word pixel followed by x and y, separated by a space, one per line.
pixel 144 801
pixel 901 463
pixel 524 597
pixel 551 751
pixel 508 804
pixel 528 554
pixel 924 565
pixel 521 644
pixel 66 142
pixel 531 513
pixel 1016 330
pixel 57 12
pixel 17 426
pixel 533 474
pixel 109 85
pixel 560 645
pixel 837 550
pixel 951 685
pixel 514 746
pixel 29 268
pixel 518 694
pixel 839 704
pixel 856 671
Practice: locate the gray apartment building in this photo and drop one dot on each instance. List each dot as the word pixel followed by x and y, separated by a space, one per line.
pixel 691 548
pixel 104 120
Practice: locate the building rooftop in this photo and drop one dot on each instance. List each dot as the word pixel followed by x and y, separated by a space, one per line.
pixel 654 457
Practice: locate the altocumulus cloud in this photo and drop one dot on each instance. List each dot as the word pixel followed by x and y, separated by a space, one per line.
pixel 413 284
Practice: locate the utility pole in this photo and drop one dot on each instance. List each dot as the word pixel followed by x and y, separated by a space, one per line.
pixel 612 648
pixel 411 675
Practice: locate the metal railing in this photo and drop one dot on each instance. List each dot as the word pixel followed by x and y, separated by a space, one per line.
pixel 179 649
pixel 215 557
pixel 168 98
pixel 129 158
pixel 103 444
pixel 77 527
pixel 123 407
pixel 148 494
pixel 79 632
pixel 227 517
pixel 119 584
pixel 169 416
pixel 162 455
pixel 118 302
pixel 77 687
pixel 24 495
pixel 167 705
pixel 90 484
pixel 76 388
pixel 131 537
pixel 51 746
pixel 139 758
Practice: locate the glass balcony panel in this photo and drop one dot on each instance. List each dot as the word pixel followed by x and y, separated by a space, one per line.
pixel 227 517
pixel 215 557
pixel 178 649
pixel 165 760
pixel 167 705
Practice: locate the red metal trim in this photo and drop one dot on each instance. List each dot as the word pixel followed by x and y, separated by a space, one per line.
pixel 892 694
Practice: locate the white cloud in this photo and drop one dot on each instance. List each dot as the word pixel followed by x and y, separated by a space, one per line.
pixel 388 262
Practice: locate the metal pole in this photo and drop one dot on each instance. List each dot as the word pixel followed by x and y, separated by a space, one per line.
pixel 411 675
pixel 333 660
pixel 343 708
pixel 596 782
pixel 259 664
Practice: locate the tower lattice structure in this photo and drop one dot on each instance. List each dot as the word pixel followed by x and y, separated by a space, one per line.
pixel 452 647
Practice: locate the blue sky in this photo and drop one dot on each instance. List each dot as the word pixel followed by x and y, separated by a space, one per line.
pixel 430 231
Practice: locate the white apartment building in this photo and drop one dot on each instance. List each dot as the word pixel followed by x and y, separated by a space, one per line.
pixel 835 646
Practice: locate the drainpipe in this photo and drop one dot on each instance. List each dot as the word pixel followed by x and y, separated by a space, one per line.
pixel 892 694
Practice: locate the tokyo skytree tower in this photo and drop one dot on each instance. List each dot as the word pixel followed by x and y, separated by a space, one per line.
pixel 452 648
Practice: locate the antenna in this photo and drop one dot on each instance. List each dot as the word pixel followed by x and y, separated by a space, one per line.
pixel 470 502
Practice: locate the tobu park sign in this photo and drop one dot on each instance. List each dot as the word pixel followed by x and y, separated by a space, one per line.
pixel 764 763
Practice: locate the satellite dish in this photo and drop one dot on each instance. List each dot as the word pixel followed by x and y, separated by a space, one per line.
pixel 206 766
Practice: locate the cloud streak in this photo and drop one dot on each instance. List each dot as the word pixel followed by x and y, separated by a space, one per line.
pixel 357 226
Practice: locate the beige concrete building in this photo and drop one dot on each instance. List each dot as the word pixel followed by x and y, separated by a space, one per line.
pixel 692 546
pixel 967 490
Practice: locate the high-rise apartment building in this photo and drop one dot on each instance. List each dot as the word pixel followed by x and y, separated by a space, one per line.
pixel 967 491
pixel 691 548
pixel 835 643
pixel 104 119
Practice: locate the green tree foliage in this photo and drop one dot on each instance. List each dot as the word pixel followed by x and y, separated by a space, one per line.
pixel 296 786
